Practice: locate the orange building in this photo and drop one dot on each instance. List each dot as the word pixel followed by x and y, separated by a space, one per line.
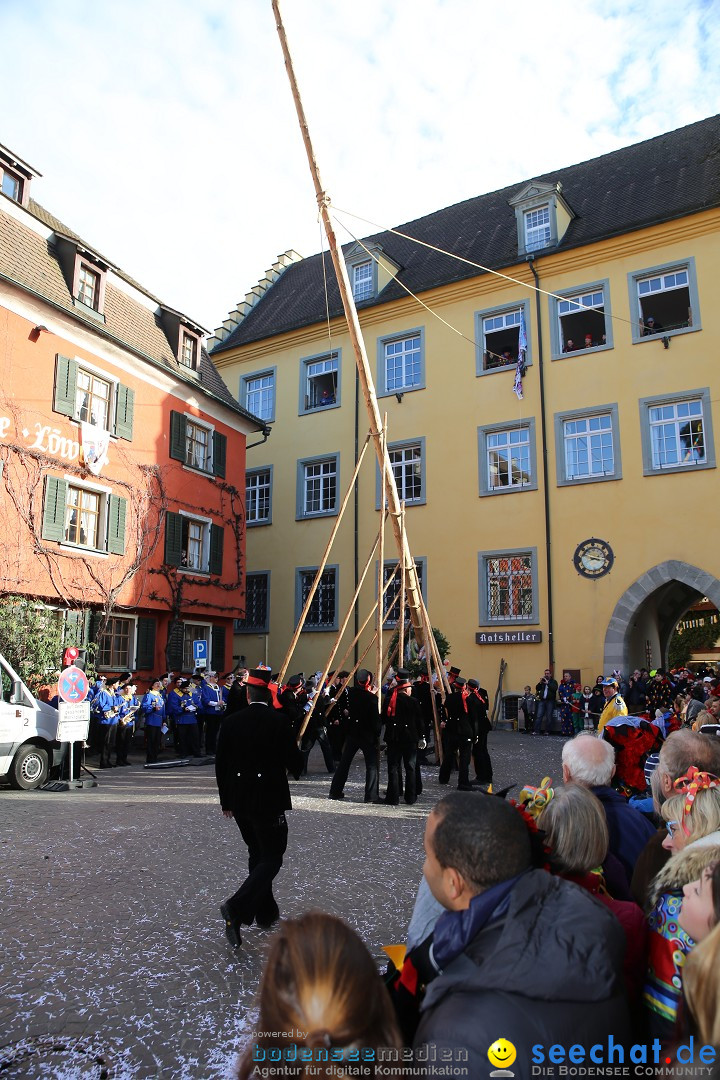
pixel 122 452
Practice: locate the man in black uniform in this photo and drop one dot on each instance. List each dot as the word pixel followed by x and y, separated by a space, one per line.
pixel 478 706
pixel 459 736
pixel 336 713
pixel 403 731
pixel 362 732
pixel 292 697
pixel 255 748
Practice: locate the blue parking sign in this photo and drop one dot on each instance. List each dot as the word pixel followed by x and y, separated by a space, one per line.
pixel 200 655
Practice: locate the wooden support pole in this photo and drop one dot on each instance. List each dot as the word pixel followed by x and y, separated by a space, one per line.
pixel 381 566
pixel 321 567
pixel 356 338
pixel 401 623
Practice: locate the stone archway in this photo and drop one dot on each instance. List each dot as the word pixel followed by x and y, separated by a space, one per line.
pixel 649 611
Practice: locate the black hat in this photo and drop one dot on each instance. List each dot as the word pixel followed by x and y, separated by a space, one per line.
pixel 402 675
pixel 295 680
pixel 260 677
pixel 455 671
pixel 473 684
pixel 459 682
pixel 363 677
pixel 181 682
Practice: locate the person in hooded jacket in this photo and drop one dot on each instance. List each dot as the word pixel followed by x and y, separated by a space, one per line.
pixel 519 953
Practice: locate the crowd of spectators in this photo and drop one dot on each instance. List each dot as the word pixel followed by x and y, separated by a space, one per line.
pixel 572 916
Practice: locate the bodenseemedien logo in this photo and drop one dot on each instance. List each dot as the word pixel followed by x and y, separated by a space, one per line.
pixel 501 1054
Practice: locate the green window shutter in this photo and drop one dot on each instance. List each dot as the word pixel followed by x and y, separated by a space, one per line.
pixel 145 650
pixel 219 453
pixel 217 649
pixel 178 449
pixel 173 538
pixel 217 537
pixel 94 629
pixel 124 410
pixel 53 526
pixel 174 651
pixel 117 509
pixel 65 385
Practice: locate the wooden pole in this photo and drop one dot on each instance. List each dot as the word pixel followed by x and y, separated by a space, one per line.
pixel 321 567
pixel 401 624
pixel 381 567
pixel 356 338
pixel 341 631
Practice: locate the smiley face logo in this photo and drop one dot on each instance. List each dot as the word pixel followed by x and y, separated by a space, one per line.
pixel 502 1053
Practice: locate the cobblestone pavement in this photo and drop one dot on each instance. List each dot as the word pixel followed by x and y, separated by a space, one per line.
pixel 114 961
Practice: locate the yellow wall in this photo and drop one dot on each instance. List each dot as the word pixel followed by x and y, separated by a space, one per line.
pixel 646 520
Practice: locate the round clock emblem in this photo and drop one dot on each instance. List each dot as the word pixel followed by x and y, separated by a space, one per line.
pixel 593 558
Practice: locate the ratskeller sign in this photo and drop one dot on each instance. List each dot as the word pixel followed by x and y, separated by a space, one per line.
pixel 509 637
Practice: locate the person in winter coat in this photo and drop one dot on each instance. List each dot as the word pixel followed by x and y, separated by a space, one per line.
pixel 518 954
pixel 576 835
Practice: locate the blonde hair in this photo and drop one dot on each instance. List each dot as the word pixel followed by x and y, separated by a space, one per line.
pixel 575 830
pixel 701 984
pixel 322 990
pixel 702 817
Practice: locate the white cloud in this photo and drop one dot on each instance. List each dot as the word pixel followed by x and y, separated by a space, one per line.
pixel 167 134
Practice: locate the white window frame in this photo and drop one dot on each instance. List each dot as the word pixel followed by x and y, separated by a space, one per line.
pixel 306 364
pixel 84 367
pixel 192 421
pixel 403 339
pixel 302 513
pixel 636 277
pixel 574 416
pixel 252 474
pixel 486 434
pixel 246 391
pixel 502 312
pixel 401 447
pixel 546 226
pixel 104 494
pixel 702 395
pixel 363 280
pixel 578 297
pixel 205 522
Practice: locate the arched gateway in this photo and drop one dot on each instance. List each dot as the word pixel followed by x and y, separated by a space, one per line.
pixel 647 613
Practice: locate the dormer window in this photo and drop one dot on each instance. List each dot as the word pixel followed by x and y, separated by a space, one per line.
pixel 188 350
pixel 89 284
pixel 363 281
pixel 12 185
pixel 542 216
pixel 537 228
pixel 88 287
pixel 15 176
pixel 369 270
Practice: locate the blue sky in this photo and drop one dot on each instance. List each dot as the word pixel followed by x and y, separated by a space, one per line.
pixel 167 137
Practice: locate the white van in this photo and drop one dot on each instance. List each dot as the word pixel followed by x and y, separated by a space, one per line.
pixel 29 750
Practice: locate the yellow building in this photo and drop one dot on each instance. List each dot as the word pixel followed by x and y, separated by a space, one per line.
pixel 572 527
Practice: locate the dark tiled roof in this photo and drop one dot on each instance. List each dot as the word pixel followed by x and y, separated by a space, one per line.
pixel 668 177
pixel 31 262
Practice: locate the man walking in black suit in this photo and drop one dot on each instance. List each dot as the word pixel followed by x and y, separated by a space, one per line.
pixel 255 748
pixel 362 732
